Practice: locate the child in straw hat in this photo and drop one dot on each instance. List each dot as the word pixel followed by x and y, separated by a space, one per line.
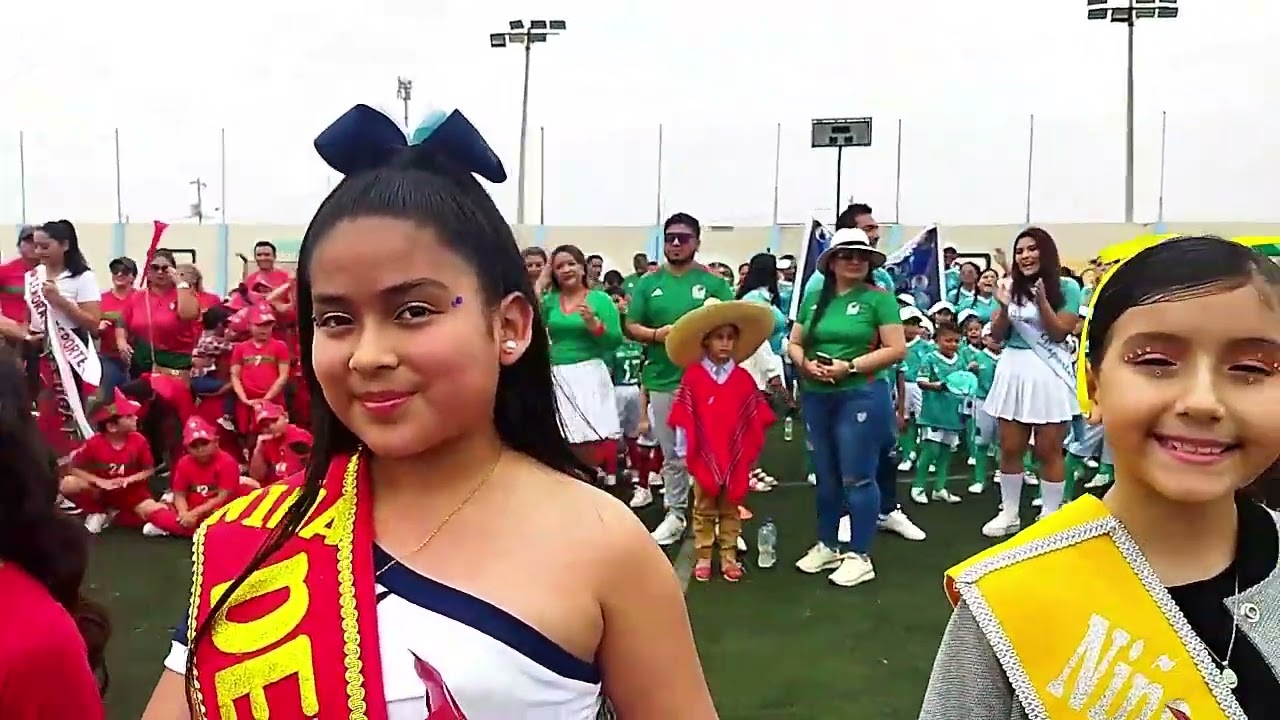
pixel 719 418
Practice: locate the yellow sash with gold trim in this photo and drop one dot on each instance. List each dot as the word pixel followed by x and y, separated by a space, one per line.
pixel 1084 629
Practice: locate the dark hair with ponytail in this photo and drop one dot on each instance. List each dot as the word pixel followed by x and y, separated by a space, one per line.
pixel 34 535
pixel 1182 269
pixel 64 233
pixel 422 185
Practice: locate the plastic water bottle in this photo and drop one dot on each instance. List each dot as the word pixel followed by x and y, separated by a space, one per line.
pixel 767 544
pixel 788 428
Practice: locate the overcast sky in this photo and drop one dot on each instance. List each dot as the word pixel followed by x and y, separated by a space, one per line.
pixel 719 75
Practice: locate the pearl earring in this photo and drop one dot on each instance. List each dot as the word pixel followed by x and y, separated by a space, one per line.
pixel 509 346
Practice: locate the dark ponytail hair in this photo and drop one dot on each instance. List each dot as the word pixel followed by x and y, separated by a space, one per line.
pixel 64 233
pixel 422 186
pixel 1182 269
pixel 34 535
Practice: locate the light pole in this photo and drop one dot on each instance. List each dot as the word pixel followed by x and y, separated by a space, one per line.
pixel 1129 12
pixel 526 34
pixel 404 91
pixel 840 133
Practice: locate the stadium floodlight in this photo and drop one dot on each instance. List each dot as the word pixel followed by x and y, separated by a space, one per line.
pixel 1128 13
pixel 526 34
pixel 840 133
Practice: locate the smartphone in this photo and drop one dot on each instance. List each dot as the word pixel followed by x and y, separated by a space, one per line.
pixel 823 359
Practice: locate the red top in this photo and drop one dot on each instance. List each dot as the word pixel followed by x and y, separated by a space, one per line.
pixel 104 459
pixel 12 286
pixel 281 460
pixel 162 329
pixel 271 278
pixel 724 428
pixel 112 310
pixel 44 669
pixel 208 300
pixel 200 481
pixel 259 365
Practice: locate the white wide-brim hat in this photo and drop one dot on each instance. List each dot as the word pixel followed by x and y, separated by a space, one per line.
pixel 851 239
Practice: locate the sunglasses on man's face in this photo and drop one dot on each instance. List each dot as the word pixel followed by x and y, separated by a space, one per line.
pixel 679 237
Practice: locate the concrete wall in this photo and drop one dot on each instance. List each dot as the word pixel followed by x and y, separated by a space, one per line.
pixel 215 246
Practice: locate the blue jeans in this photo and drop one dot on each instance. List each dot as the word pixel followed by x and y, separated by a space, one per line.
pixel 848 431
pixel 887 469
pixel 115 372
pixel 208 385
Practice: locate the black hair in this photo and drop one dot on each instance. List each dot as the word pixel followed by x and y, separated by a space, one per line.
pixel 242 290
pixel 575 253
pixel 167 254
pixel 1180 269
pixel 683 218
pixel 215 317
pixel 422 187
pixel 762 272
pixel 26 233
pixel 534 251
pixel 594 257
pixel 613 291
pixel 721 269
pixel 946 328
pixel 64 233
pixel 613 278
pixel 849 217
pixel 1049 270
pixel 34 535
pixel 123 263
pixel 265 244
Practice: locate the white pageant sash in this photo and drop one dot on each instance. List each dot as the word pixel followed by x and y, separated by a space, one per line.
pixel 1056 355
pixel 73 360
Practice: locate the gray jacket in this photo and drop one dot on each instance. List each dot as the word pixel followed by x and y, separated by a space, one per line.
pixel 969 683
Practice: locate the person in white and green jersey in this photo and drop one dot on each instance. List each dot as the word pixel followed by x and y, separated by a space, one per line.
pixel 658 300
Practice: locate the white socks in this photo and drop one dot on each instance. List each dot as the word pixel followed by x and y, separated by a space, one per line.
pixel 1050 496
pixel 1011 494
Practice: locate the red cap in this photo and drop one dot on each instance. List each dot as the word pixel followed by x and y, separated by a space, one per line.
pixel 197 429
pixel 261 315
pixel 267 411
pixel 120 406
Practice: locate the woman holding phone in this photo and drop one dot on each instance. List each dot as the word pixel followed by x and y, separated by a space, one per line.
pixel 846 332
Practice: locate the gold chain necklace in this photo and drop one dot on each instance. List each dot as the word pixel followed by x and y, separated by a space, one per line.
pixel 431 536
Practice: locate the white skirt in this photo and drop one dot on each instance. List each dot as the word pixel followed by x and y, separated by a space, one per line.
pixel 1025 390
pixel 585 402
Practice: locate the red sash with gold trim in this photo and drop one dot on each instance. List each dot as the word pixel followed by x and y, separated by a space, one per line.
pixel 300 637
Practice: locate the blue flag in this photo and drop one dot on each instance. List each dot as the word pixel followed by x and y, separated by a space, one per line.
pixel 817 241
pixel 916 268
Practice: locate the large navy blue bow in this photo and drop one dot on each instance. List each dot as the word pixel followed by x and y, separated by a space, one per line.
pixel 365 139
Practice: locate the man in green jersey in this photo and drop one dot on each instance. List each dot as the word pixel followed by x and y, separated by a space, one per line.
pixel 640 267
pixel 657 301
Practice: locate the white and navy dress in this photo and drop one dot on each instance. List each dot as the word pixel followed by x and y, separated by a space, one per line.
pixel 495 665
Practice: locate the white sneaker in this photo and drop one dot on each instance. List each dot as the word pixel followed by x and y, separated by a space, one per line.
pixel 1091 463
pixel 1002 526
pixel 1029 479
pixel 68 507
pixel 845 530
pixel 655 480
pixel 770 480
pixel 760 486
pixel 813 479
pixel 855 570
pixel 670 530
pixel 150 530
pixel 919 497
pixel 946 496
pixel 1037 502
pixel 971 462
pixel 977 489
pixel 898 522
pixel 641 497
pixel 1097 481
pixel 742 545
pixel 819 558
pixel 905 465
pixel 932 469
pixel 95 523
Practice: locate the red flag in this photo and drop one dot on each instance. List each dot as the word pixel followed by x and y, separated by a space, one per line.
pixel 160 227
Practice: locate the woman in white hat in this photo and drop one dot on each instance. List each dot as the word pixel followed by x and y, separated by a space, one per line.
pixel 845 333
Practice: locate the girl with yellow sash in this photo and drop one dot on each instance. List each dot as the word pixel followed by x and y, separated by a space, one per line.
pixel 442 556
pixel 1161 601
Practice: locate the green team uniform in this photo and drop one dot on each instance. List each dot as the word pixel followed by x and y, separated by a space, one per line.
pixel 986 372
pixel 939 409
pixel 628 359
pixel 1071 300
pixel 629 283
pixel 848 329
pixel 916 351
pixel 571 342
pixel 660 299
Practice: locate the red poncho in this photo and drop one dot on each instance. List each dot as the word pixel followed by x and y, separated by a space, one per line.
pixel 724 428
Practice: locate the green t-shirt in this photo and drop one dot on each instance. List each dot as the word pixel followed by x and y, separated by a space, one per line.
pixel 1070 302
pixel 848 329
pixel 939 409
pixel 986 372
pixel 917 349
pixel 628 359
pixel 571 342
pixel 661 298
pixel 629 282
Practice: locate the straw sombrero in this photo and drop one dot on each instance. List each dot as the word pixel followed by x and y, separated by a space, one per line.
pixel 851 239
pixel 754 322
